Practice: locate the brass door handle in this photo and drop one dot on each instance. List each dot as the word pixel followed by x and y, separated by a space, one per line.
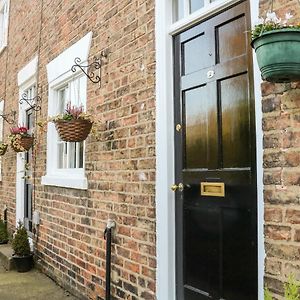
pixel 178 187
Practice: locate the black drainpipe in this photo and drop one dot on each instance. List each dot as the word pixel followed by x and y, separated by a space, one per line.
pixel 107 236
pixel 5 216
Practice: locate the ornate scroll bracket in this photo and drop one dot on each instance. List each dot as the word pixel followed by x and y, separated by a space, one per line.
pixel 89 70
pixel 10 118
pixel 34 103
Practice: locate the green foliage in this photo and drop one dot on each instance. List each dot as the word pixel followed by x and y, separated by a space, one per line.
pixel 291 289
pixel 72 112
pixel 267 295
pixel 272 22
pixel 20 243
pixel 266 27
pixel 3 232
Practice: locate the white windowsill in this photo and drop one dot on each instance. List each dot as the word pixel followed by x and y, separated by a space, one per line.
pixel 63 181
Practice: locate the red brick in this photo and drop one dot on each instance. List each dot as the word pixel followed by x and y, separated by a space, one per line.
pixel 293 216
pixel 273 214
pixel 275 232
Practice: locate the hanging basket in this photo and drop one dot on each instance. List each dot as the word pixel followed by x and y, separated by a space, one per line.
pixel 3 148
pixel 24 143
pixel 278 55
pixel 74 130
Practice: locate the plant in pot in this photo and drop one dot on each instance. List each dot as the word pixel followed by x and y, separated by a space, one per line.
pixel 277 47
pixel 3 148
pixel 20 139
pixel 3 233
pixel 23 257
pixel 74 125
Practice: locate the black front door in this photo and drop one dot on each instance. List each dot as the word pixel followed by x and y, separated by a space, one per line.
pixel 28 191
pixel 216 214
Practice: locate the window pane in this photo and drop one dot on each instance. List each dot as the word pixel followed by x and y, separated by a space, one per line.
pixel 178 9
pixel 62 99
pixel 2 25
pixel 182 8
pixel 82 91
pixel 72 155
pixel 196 4
pixel 61 153
pixel 80 164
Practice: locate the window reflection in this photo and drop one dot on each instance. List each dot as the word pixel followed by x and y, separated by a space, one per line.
pixel 182 8
pixel 178 9
pixel 196 4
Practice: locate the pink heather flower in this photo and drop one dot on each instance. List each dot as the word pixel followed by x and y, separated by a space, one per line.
pixel 19 129
pixel 74 111
pixel 23 129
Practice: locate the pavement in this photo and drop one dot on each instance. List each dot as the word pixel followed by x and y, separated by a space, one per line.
pixel 32 285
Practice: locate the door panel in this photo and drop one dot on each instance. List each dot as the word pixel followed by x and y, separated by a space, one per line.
pixel 200 128
pixel 231 41
pixel 202 257
pixel 216 248
pixel 235 121
pixel 193 58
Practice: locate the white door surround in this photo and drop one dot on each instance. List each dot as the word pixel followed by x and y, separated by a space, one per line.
pixel 165 208
pixel 26 79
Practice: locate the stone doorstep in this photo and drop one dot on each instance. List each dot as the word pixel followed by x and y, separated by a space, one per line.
pixel 6 259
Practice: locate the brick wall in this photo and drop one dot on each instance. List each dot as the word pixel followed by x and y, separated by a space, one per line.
pixel 119 166
pixel 281 126
pixel 22 46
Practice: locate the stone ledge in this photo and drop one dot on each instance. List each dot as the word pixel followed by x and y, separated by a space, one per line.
pixel 6 259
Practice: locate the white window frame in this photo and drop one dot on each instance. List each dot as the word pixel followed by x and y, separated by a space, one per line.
pixel 4 17
pixel 59 74
pixel 187 7
pixel 165 199
pixel 73 94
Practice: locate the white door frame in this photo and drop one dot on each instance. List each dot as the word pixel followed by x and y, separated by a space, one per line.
pixel 165 199
pixel 26 79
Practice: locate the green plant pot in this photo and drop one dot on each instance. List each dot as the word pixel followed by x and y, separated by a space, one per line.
pixel 278 55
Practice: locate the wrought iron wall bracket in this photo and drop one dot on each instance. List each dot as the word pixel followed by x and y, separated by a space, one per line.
pixel 34 103
pixel 10 118
pixel 89 70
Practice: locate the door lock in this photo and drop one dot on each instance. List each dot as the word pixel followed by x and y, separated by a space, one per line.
pixel 178 187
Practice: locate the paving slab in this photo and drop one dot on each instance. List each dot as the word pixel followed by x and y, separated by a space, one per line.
pixel 31 285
